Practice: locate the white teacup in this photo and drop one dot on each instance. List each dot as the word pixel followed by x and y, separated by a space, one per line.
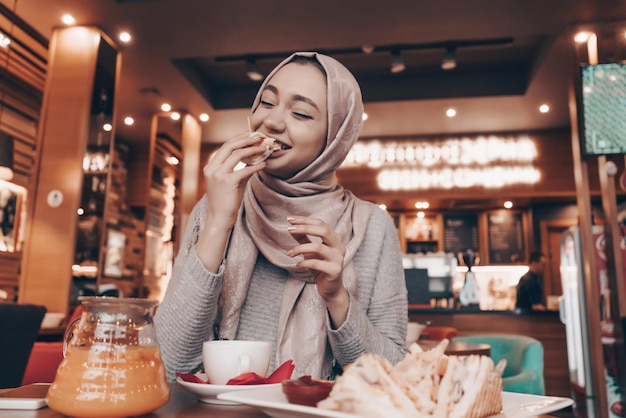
pixel 225 359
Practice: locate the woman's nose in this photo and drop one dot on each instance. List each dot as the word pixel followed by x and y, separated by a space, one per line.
pixel 274 121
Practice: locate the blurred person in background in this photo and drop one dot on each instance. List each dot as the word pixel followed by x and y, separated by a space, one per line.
pixel 530 287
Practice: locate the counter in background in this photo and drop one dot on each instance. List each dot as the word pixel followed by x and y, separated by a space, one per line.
pixel 444 279
pixel 544 326
pixel 497 284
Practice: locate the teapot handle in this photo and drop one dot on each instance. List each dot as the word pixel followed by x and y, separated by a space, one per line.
pixel 69 333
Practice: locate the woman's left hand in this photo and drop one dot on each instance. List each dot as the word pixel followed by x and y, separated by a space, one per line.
pixel 325 259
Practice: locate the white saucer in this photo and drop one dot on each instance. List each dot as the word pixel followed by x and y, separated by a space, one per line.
pixel 207 392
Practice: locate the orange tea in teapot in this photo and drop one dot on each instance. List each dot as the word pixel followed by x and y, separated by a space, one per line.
pixel 112 365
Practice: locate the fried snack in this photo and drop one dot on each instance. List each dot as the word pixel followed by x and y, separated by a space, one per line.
pixel 366 389
pixel 271 145
pixel 477 391
pixel 419 375
pixel 424 384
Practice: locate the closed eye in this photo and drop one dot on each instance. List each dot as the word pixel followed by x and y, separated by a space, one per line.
pixel 302 115
pixel 266 103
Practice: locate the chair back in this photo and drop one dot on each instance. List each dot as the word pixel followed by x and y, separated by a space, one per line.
pixel 524 360
pixel 46 356
pixel 19 328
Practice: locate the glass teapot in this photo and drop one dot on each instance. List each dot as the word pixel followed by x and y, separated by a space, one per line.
pixel 112 365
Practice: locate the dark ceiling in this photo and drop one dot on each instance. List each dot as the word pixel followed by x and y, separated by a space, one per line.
pixel 485 67
pixel 512 56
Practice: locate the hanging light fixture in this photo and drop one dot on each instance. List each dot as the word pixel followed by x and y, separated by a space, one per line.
pixel 6 156
pixel 449 58
pixel 397 62
pixel 252 70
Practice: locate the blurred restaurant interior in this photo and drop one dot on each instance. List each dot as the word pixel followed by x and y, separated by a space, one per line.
pixel 474 140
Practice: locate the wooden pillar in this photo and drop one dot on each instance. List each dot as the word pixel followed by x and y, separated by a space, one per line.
pixel 191 139
pixel 62 139
pixel 594 377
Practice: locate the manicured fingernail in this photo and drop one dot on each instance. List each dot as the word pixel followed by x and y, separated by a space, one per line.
pixel 291 228
pixel 290 218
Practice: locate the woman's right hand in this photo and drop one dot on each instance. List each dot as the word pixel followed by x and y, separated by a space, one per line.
pixel 224 186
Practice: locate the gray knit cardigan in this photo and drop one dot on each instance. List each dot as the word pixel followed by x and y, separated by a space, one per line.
pixel 376 321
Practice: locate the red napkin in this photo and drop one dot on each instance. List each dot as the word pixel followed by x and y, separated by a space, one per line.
pixel 190 377
pixel 281 373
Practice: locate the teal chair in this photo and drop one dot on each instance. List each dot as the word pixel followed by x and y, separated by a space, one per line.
pixel 524 360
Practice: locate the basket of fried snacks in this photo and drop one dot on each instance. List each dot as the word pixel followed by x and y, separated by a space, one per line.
pixel 424 384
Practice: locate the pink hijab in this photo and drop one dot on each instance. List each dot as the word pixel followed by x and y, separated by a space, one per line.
pixel 262 226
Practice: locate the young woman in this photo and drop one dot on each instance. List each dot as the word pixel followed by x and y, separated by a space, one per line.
pixel 279 251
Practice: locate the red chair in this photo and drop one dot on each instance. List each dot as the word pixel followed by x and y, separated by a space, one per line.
pixel 45 357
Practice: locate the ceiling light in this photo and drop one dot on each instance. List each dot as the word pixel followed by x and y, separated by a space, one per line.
pixel 107 127
pixel 68 19
pixel 582 37
pixel 204 117
pixel 397 62
pixel 508 204
pixel 171 160
pixel 125 37
pixel 175 116
pixel 449 59
pixel 365 116
pixel 5 41
pixel 544 108
pixel 166 107
pixel 451 112
pixel 252 70
pixel 129 121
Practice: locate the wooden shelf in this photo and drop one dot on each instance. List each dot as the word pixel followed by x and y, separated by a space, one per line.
pixel 419 235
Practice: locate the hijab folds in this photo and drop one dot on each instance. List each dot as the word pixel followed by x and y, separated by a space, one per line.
pixel 262 226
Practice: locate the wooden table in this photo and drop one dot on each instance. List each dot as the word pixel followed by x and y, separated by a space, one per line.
pixel 182 404
pixel 458 348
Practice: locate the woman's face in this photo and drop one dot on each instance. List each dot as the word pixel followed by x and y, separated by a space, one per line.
pixel 293 110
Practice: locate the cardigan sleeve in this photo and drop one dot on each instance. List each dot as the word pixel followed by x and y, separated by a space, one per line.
pixel 185 318
pixel 377 321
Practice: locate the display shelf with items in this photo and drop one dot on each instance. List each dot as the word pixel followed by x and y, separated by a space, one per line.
pixel 153 195
pixel 162 213
pixel 421 233
pixel 109 245
pixel 89 236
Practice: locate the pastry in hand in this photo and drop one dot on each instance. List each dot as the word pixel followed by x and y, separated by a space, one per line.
pixel 271 145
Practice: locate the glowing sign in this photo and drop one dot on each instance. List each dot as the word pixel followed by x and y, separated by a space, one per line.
pixel 489 162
